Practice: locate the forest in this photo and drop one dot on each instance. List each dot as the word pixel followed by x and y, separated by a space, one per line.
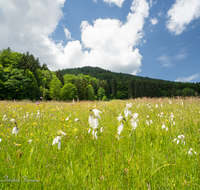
pixel 22 76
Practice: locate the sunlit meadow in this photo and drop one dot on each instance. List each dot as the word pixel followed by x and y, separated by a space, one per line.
pixel 155 153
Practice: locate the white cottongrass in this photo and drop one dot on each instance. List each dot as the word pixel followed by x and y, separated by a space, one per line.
pixel 57 140
pixel 4 118
pixel 180 137
pixel 13 120
pixel 119 130
pixel 61 133
pixel 120 118
pixel 164 127
pixel 0 139
pixel 101 130
pixel 96 112
pixel 190 152
pixel 128 105
pixel 94 134
pixel 127 112
pixel 15 130
pixel 29 141
pixel 76 119
pixel 67 119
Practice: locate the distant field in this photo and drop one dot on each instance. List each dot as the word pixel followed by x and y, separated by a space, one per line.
pixel 156 154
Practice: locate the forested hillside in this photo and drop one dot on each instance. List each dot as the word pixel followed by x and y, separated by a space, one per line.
pixel 22 76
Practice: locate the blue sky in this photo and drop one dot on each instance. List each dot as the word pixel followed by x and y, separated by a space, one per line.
pixel 151 38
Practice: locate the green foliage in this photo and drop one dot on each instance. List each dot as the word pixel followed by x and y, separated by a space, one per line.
pixel 91 95
pixel 60 76
pixel 69 92
pixel 188 92
pixel 55 87
pixel 69 78
pixel 101 93
pixel 104 98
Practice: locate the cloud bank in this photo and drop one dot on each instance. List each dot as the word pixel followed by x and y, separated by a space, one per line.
pixel 187 79
pixel 181 14
pixel 116 2
pixel 107 43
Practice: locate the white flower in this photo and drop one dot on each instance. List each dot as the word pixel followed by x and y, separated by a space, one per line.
pixel 163 127
pixel 128 105
pixel 4 118
pixel 0 139
pixel 151 121
pixel 13 120
pixel 67 119
pixel 156 105
pixel 61 133
pixel 133 124
pixel 57 140
pixel 15 130
pixel 127 112
pixel 30 140
pixel 120 129
pixel 190 152
pixel 76 119
pixel 96 112
pixel 94 134
pixel 101 130
pixel 181 137
pixel 120 117
pixel 147 122
pixel 89 130
pixel 134 116
pixel 94 123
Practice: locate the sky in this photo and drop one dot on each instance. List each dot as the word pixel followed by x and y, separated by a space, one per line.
pixel 150 38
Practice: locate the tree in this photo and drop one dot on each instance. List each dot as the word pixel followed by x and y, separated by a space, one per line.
pixel 101 93
pixel 55 87
pixel 91 95
pixel 60 76
pixel 69 92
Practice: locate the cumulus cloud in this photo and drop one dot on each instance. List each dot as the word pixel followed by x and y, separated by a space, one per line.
pixel 181 14
pixel 107 43
pixel 154 21
pixel 187 79
pixel 116 2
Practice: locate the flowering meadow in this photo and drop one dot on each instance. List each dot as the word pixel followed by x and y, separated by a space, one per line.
pixel 120 144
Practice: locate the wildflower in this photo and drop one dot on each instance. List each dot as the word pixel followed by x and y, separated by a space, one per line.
pixel 133 124
pixel 120 118
pixel 181 137
pixel 41 98
pixel 96 112
pixel 37 103
pixel 57 140
pixel 29 141
pixel 163 127
pixel 61 133
pixel 151 121
pixel 127 112
pixel 120 129
pixel 76 119
pixel 15 130
pixel 134 116
pixel 94 134
pixel 147 122
pixel 0 139
pixel 128 105
pixel 67 119
pixel 190 152
pixel 101 130
pixel 13 120
pixel 4 118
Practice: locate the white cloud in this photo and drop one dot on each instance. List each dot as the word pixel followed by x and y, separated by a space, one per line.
pixel 107 43
pixel 165 60
pixel 95 1
pixel 67 34
pixel 151 2
pixel 187 79
pixel 180 56
pixel 154 21
pixel 116 2
pixel 181 14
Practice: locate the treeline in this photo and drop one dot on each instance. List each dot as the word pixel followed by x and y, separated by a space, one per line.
pixel 23 77
pixel 123 86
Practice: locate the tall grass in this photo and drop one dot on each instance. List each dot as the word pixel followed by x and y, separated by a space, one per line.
pixel 146 159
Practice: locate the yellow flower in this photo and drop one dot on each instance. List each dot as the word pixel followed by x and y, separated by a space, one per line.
pixel 75 129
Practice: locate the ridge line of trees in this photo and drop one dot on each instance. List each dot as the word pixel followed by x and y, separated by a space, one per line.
pixel 23 77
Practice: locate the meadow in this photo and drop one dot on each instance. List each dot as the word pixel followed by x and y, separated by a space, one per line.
pixel 156 154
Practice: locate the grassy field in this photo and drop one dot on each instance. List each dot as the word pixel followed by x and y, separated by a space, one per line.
pixel 155 155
